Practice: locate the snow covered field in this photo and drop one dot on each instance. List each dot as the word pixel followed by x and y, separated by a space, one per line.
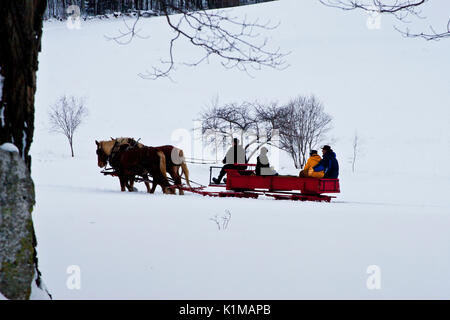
pixel 394 212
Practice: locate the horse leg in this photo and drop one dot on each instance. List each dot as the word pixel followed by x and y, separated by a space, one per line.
pixel 144 177
pixel 154 185
pixel 159 179
pixel 184 169
pixel 130 183
pixel 129 186
pixel 159 174
pixel 123 182
pixel 156 182
pixel 147 185
pixel 176 178
pixel 166 189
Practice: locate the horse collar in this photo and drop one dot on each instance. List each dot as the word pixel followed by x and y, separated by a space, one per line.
pixel 114 150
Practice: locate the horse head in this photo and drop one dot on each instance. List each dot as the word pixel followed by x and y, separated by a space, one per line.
pixel 103 152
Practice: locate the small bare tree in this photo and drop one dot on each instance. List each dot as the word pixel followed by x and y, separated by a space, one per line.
pixel 222 225
pixel 356 149
pixel 66 115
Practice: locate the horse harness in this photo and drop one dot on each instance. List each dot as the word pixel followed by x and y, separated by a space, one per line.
pixel 117 149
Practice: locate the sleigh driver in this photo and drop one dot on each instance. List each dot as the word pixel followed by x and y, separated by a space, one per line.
pixel 234 159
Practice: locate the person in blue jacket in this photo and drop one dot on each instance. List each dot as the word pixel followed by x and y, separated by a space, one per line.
pixel 328 163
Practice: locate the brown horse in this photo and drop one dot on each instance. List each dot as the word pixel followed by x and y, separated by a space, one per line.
pixel 174 160
pixel 108 151
pixel 142 161
pixel 104 152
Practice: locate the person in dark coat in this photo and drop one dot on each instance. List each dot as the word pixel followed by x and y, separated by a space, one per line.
pixel 329 163
pixel 235 155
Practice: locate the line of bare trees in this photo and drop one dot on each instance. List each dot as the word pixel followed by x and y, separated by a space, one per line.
pixel 295 127
pixel 58 8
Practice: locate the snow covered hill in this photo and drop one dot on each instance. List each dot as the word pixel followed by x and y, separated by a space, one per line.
pixel 392 213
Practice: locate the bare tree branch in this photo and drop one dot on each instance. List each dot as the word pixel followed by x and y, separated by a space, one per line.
pixel 237 42
pixel 400 9
pixel 125 37
pixel 432 35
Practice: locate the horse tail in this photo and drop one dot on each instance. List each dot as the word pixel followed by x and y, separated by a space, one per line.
pixel 184 168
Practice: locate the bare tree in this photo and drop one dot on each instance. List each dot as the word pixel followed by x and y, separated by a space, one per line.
pixel 295 127
pixel 66 115
pixel 236 41
pixel 303 124
pixel 400 9
pixel 244 120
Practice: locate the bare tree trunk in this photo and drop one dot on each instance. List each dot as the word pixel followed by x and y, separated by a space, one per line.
pixel 82 7
pixel 355 151
pixel 20 43
pixel 295 158
pixel 71 147
pixel 63 15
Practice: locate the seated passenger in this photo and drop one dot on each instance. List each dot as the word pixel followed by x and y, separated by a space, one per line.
pixel 236 154
pixel 328 163
pixel 308 171
pixel 262 164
